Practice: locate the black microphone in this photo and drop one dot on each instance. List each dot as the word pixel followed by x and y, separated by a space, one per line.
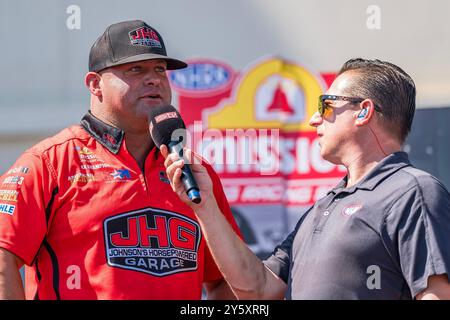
pixel 167 127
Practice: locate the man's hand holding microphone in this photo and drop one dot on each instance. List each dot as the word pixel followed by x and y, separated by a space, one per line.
pixel 189 179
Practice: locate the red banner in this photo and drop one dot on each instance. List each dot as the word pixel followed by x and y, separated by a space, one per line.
pixel 252 126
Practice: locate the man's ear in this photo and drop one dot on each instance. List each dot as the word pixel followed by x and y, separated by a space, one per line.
pixel 92 82
pixel 366 112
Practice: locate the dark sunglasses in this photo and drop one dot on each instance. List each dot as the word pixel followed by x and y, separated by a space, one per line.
pixel 323 107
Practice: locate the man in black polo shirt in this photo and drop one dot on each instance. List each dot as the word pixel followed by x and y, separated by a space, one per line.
pixel 382 233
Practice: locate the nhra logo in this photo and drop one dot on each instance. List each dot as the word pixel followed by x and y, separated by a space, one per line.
pixel 202 75
pixel 144 37
pixel 153 241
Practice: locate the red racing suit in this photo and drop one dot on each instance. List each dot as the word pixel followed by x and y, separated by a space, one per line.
pixel 89 224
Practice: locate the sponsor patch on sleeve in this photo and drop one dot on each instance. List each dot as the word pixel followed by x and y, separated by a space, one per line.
pixel 9 195
pixel 7 208
pixel 13 180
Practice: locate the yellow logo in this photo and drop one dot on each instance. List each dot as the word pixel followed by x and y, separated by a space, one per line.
pixel 85 151
pixel 81 178
pixel 273 93
pixel 9 195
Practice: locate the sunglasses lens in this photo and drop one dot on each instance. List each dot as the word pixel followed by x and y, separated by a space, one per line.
pixel 320 107
pixel 324 109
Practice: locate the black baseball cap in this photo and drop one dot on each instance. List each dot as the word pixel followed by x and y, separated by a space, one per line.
pixel 129 41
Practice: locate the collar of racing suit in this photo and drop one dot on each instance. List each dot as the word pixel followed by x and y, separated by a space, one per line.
pixel 107 135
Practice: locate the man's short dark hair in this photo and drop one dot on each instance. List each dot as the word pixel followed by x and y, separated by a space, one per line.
pixel 388 86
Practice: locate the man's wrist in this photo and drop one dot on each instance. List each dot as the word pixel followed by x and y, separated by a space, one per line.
pixel 207 206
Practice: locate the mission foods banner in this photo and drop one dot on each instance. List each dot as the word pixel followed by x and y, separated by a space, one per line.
pixel 252 126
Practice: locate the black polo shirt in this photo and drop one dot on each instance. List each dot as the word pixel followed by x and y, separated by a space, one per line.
pixel 379 239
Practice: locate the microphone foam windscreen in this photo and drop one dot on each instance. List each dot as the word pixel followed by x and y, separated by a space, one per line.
pixel 166 125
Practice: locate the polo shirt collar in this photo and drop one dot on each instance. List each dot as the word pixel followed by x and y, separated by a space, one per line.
pixel 382 170
pixel 107 135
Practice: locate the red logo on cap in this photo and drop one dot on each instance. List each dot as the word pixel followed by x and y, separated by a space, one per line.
pixel 144 36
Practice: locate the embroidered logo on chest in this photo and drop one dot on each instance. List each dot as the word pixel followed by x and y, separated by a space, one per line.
pixel 351 209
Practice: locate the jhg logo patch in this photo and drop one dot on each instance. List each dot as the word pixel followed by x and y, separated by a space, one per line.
pixel 153 241
pixel 144 37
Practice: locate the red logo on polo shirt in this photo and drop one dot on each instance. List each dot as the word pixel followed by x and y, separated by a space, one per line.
pixel 153 241
pixel 351 210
